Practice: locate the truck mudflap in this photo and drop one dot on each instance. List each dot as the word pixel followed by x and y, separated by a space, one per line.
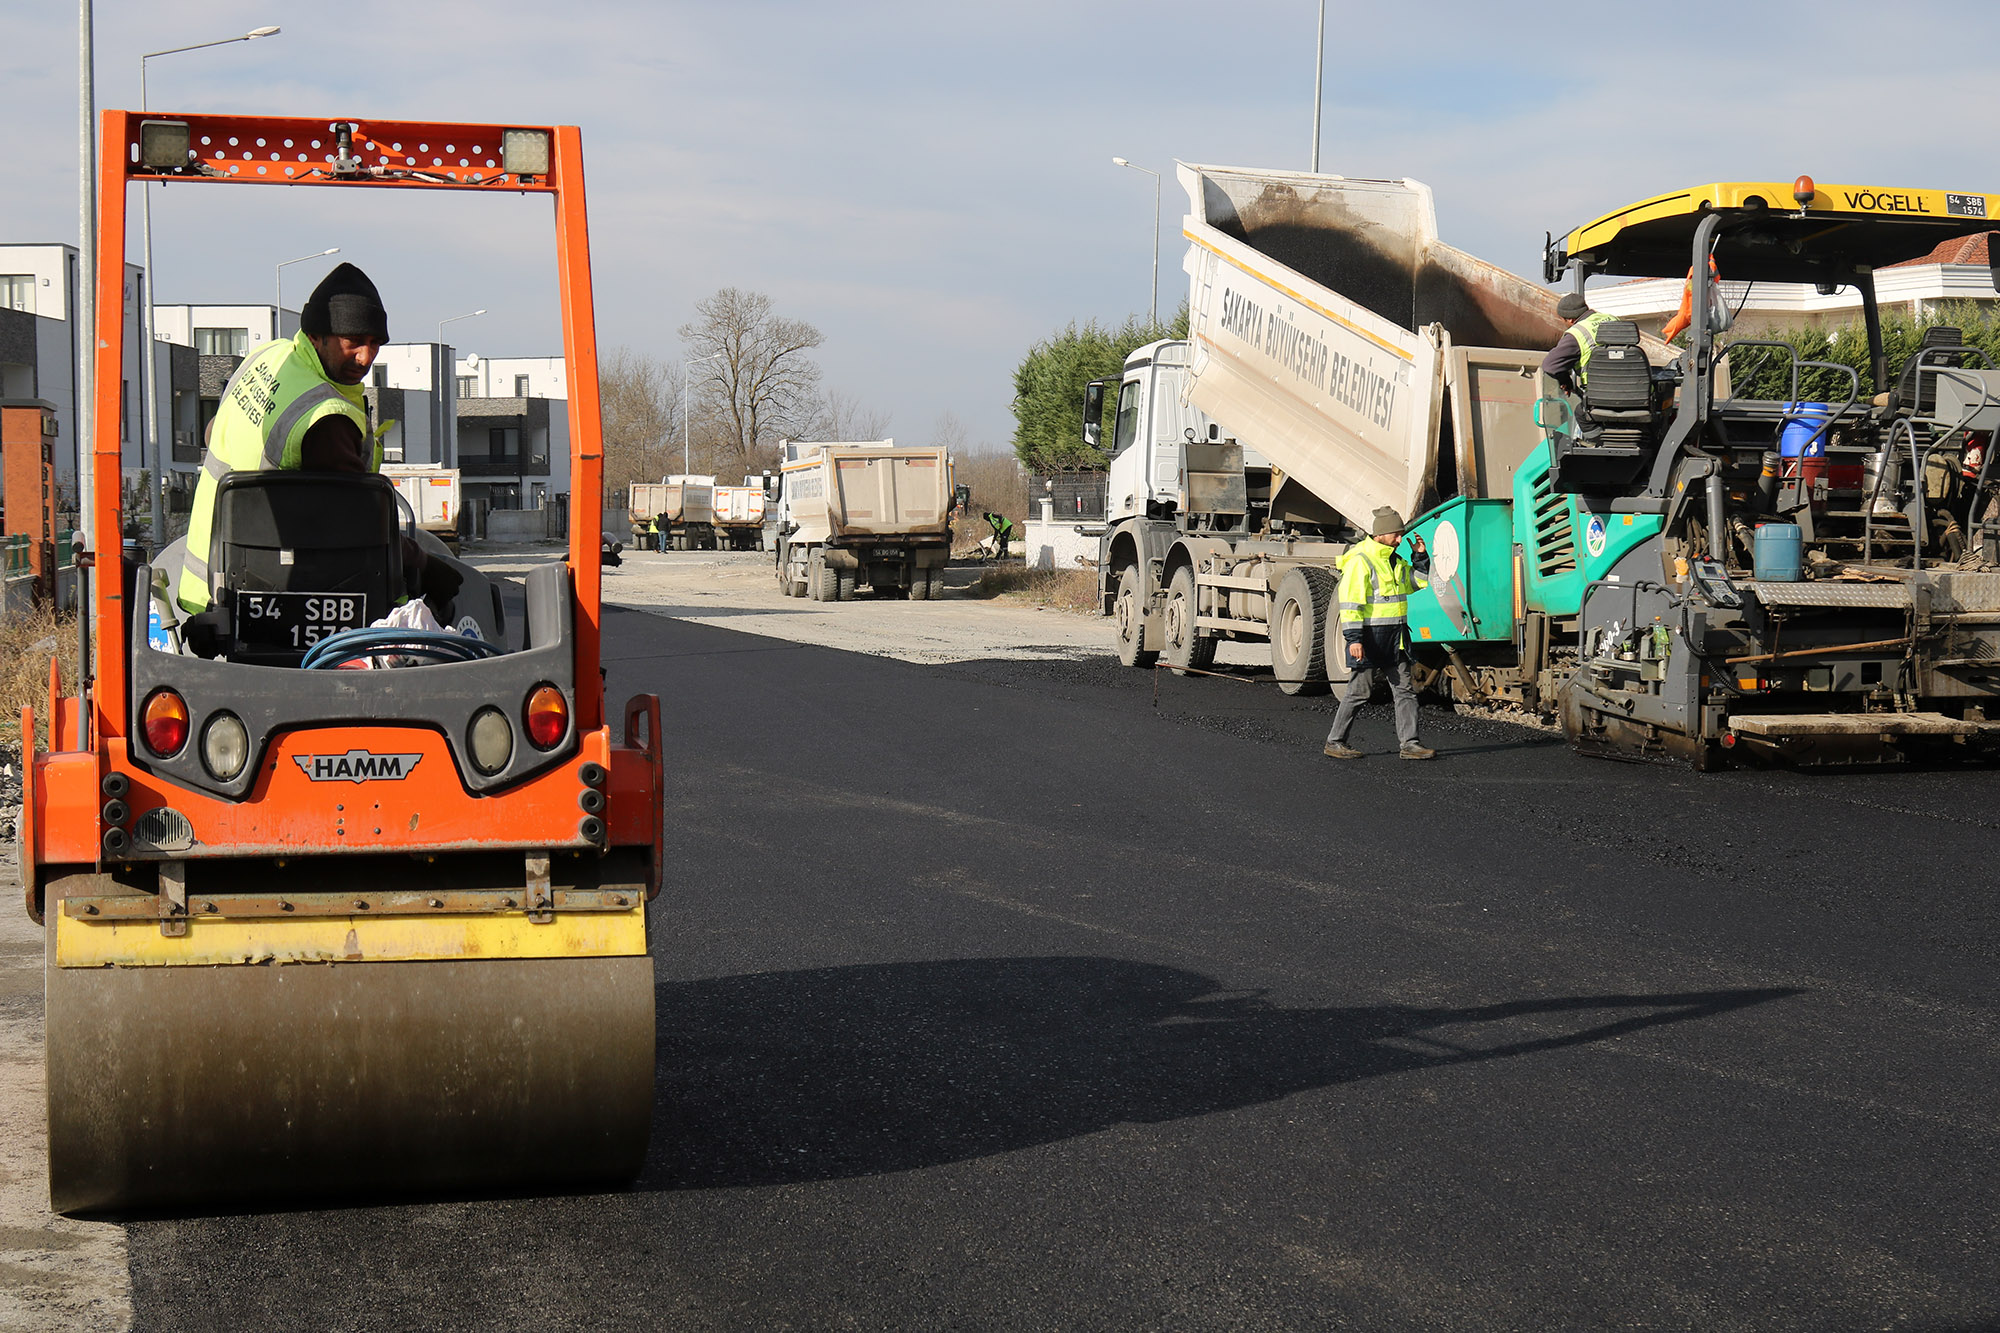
pixel 1858 738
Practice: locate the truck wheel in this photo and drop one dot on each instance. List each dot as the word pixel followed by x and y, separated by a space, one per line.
pixel 1129 616
pixel 824 578
pixel 843 585
pixel 1298 630
pixel 920 585
pixel 815 575
pixel 1186 648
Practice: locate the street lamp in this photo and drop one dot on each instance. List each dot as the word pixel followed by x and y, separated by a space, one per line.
pixel 1121 162
pixel 149 376
pixel 447 371
pixel 687 381
pixel 279 327
pixel 1319 81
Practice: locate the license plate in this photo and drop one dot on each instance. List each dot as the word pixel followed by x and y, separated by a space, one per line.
pixel 887 552
pixel 297 620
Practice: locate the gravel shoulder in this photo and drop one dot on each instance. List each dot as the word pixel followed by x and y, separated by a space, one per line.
pixel 737 590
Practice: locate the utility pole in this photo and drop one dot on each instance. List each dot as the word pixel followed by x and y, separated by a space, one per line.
pixel 1319 81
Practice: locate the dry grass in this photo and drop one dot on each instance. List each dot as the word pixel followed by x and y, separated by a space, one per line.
pixel 1062 589
pixel 26 644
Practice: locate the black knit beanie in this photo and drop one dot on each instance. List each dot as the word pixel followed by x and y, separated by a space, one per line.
pixel 345 304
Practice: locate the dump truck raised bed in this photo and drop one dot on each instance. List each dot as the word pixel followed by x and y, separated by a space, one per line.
pixel 318 932
pixel 1593 557
pixel 739 515
pixel 864 515
pixel 1340 357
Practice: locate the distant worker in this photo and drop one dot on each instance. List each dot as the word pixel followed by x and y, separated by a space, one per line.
pixel 294 406
pixel 1568 361
pixel 1003 532
pixel 1375 588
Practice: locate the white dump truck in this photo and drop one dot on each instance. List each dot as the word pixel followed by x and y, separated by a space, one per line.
pixel 863 515
pixel 1340 358
pixel 739 515
pixel 433 493
pixel 677 514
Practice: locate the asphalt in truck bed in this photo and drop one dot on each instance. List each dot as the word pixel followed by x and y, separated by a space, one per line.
pixel 1012 995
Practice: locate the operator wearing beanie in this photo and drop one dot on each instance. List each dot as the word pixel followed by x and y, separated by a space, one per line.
pixel 1568 361
pixel 294 405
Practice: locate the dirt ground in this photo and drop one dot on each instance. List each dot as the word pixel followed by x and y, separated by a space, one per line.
pixel 739 590
pixel 55 1273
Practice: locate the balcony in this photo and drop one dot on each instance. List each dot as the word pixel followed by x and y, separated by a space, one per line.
pixel 503 465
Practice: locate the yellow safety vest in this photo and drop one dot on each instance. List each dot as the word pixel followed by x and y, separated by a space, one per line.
pixel 1375 585
pixel 272 400
pixel 1585 333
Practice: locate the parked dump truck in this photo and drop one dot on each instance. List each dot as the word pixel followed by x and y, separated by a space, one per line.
pixel 739 515
pixel 433 495
pixel 1593 559
pixel 865 515
pixel 317 933
pixel 677 514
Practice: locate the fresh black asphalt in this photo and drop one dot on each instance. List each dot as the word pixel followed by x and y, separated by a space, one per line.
pixel 1017 995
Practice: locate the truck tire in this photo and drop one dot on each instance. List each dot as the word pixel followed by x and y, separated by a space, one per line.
pixel 1298 626
pixel 1128 614
pixel 824 578
pixel 936 579
pixel 920 585
pixel 1185 648
pixel 815 569
pixel 843 585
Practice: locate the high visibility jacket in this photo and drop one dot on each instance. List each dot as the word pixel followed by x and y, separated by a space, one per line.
pixel 1585 333
pixel 1375 588
pixel 272 400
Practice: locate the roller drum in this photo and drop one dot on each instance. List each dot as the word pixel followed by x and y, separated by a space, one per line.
pixel 172 1086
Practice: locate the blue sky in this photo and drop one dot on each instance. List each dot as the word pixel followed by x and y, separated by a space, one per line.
pixel 931 184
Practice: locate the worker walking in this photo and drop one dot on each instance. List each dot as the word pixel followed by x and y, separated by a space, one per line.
pixel 1375 588
pixel 1568 361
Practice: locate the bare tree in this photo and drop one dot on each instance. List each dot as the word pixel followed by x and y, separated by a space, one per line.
pixel 761 380
pixel 949 432
pixel 841 416
pixel 641 398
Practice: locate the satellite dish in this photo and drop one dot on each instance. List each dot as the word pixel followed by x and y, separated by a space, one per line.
pixel 472 361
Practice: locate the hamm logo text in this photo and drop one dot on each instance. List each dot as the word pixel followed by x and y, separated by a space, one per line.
pixel 356 766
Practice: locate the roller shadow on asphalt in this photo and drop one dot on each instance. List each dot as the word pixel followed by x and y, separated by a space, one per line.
pixel 786 1077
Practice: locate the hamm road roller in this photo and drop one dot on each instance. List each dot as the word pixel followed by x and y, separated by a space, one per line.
pixel 312 931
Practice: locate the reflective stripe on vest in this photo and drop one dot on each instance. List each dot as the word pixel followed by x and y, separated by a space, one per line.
pixel 1585 333
pixel 1375 585
pixel 269 404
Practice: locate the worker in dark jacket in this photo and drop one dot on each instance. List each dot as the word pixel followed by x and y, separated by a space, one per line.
pixel 1568 362
pixel 1375 588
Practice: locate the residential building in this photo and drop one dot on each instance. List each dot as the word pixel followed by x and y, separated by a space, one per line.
pixel 513 430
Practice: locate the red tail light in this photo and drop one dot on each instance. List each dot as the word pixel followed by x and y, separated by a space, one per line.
pixel 165 723
pixel 547 716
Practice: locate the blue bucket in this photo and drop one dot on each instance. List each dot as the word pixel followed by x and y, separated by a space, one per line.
pixel 1801 421
pixel 1778 553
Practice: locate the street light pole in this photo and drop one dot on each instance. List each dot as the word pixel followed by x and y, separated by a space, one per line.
pixel 278 311
pixel 447 377
pixel 1155 305
pixel 1319 81
pixel 687 382
pixel 149 374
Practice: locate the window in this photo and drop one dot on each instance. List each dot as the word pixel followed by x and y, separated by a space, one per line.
pixel 125 409
pixel 1129 398
pixel 520 386
pixel 17 292
pixel 504 442
pixel 467 387
pixel 381 374
pixel 222 342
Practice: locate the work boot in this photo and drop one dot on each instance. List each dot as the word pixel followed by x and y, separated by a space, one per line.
pixel 1340 750
pixel 1412 750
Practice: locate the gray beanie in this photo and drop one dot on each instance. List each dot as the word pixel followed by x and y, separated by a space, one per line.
pixel 1572 306
pixel 1385 520
pixel 345 304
